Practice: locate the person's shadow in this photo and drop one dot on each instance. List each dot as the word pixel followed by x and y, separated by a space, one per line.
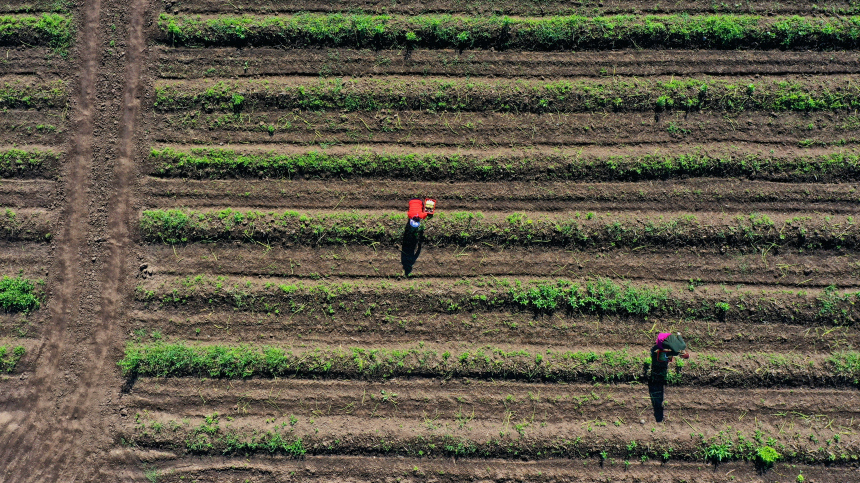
pixel 656 386
pixel 412 240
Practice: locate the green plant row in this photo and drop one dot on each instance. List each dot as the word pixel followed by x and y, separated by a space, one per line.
pixel 9 357
pixel 17 294
pixel 599 296
pixel 542 33
pixel 215 163
pixel 49 29
pixel 19 163
pixel 217 434
pixel 233 362
pixel 616 94
pixel 815 231
pixel 22 95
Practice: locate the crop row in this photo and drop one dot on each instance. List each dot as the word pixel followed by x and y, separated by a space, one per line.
pixel 467 228
pixel 18 294
pixel 23 95
pixel 178 359
pixel 9 357
pixel 599 296
pixel 543 33
pixel 216 163
pixel 220 434
pixel 617 94
pixel 21 163
pixel 49 29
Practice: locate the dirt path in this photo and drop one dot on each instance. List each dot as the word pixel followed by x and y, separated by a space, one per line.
pixel 31 450
pixel 56 436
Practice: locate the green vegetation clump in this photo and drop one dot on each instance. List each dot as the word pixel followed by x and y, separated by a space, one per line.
pixel 565 96
pixel 767 456
pixel 601 295
pixel 16 295
pixel 203 163
pixel 542 33
pixel 49 29
pixel 9 359
pixel 21 163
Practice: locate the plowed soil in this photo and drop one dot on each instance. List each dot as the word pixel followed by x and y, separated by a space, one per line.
pixel 453 358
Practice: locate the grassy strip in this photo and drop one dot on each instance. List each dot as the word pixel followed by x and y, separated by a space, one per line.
pixel 468 228
pixel 18 163
pixel 21 95
pixel 234 362
pixel 49 29
pixel 598 296
pixel 201 163
pixel 9 357
pixel 216 434
pixel 17 294
pixel 543 33
pixel 616 94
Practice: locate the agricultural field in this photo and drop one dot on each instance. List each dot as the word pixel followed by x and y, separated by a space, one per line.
pixel 204 273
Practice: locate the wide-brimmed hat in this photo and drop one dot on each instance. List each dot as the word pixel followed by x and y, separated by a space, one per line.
pixel 675 343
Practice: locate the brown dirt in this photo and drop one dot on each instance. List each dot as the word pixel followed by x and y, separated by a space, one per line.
pixel 182 63
pixel 67 414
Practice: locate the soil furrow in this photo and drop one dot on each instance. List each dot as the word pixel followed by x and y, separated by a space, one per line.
pixel 28 194
pixel 183 63
pixel 314 326
pixel 373 469
pixel 491 130
pixel 710 266
pixel 700 194
pixel 416 398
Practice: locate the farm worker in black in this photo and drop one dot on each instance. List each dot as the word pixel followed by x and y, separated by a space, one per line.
pixel 665 349
pixel 413 234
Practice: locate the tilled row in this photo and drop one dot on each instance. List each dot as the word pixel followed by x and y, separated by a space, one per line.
pixel 476 94
pixel 371 468
pixel 31 162
pixel 721 369
pixel 444 401
pixel 587 164
pixel 511 7
pixel 484 421
pixel 808 231
pixel 24 92
pixel 190 63
pixel 600 296
pixel 314 324
pixel 536 33
pixel 49 29
pixel 490 130
pixel 27 224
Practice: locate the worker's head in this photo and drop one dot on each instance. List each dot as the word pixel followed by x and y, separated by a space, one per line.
pixel 415 222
